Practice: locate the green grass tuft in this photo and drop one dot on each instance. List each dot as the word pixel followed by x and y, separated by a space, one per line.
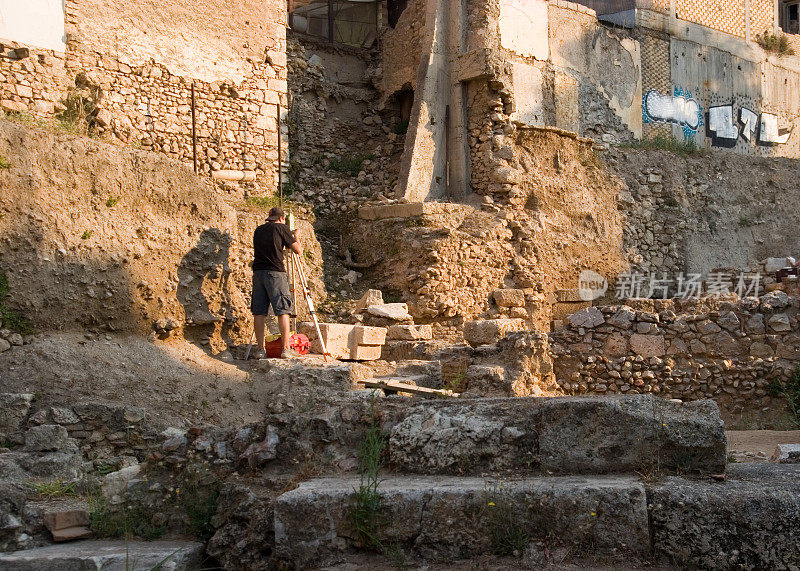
pixel 349 165
pixel 53 488
pixel 684 147
pixel 87 234
pixel 112 201
pixel 4 163
pixel 776 44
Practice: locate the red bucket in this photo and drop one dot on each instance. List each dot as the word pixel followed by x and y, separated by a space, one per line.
pixel 297 341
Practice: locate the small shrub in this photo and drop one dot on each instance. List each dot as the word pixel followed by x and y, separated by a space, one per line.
pixel 401 127
pixel 112 201
pixel 132 518
pixel 745 222
pixel 197 494
pixel 4 163
pixel 775 388
pixel 86 234
pixel 349 165
pixel 776 44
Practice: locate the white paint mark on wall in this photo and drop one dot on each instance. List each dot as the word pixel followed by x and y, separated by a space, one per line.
pixel 720 122
pixel 528 94
pixel 524 28
pixel 748 120
pixel 769 132
pixel 678 109
pixel 37 23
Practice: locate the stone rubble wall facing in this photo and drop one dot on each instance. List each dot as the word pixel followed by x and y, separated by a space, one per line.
pixel 735 351
pixel 148 104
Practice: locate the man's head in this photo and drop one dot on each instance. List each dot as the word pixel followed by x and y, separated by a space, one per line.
pixel 276 214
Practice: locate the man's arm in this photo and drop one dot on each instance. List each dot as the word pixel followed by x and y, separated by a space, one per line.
pixel 294 246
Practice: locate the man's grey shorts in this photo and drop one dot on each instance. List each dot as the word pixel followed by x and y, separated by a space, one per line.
pixel 271 288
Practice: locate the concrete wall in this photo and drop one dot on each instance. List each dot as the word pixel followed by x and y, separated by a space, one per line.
pixel 716 89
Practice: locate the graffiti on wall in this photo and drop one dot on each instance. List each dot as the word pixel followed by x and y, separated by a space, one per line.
pixel 724 130
pixel 680 108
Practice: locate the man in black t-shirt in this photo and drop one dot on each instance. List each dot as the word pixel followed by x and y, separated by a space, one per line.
pixel 270 282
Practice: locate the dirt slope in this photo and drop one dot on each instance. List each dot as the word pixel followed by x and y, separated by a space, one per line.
pixel 94 235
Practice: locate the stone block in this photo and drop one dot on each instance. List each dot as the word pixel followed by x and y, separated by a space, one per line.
pixel 410 332
pixel 15 407
pixel 566 435
pixel 772 265
pixel 786 454
pixel 509 297
pixel 371 297
pixel 647 345
pixel 173 555
pixel 401 210
pixel 750 521
pixel 588 318
pixel 363 335
pixel 71 518
pixel 394 311
pixel 444 518
pixel 48 437
pixel 344 341
pixel 487 380
pixel 489 331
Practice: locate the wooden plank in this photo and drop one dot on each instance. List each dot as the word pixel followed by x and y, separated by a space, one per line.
pixel 404 387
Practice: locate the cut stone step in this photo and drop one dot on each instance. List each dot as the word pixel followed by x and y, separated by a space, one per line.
pixel 443 518
pixel 565 435
pixel 108 556
pixel 749 521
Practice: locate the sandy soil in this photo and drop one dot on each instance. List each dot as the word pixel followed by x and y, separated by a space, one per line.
pixel 758 445
pixel 175 380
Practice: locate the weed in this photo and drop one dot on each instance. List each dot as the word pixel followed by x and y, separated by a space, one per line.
pixel 685 147
pixel 104 469
pixel 86 234
pixel 745 222
pixel 350 165
pixel 112 201
pixel 197 493
pixel 775 388
pixel 732 459
pixel 502 516
pixel 53 488
pixel 366 514
pixel 4 163
pixel 401 127
pixel 133 518
pixel 308 255
pixel 776 44
pixel 672 202
pixel 10 318
pixel 267 202
pixel 415 221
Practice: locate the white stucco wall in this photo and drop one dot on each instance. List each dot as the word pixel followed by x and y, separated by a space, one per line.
pixel 37 23
pixel 523 27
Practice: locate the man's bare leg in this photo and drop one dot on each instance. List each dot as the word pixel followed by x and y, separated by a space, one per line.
pixel 283 325
pixel 259 322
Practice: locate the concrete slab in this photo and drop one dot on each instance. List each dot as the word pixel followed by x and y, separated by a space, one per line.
pixel 108 556
pixel 448 517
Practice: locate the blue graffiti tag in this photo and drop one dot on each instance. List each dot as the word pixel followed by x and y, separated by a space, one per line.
pixel 679 108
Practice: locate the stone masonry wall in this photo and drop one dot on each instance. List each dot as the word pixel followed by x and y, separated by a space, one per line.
pixel 145 89
pixel 728 349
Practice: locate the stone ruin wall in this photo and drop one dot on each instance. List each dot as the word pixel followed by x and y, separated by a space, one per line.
pixel 735 351
pixel 236 59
